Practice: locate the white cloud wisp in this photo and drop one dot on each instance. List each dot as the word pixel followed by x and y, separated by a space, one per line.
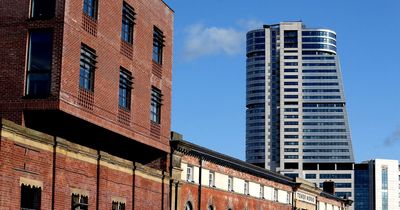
pixel 203 41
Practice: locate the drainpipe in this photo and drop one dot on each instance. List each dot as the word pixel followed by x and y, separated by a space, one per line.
pixel 199 192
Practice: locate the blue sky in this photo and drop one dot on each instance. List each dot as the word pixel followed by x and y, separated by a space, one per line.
pixel 208 105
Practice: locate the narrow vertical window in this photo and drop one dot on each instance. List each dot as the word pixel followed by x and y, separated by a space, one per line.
pixel 189 173
pixel 125 88
pixel 158 44
pixel 30 197
pixel 230 183
pixel 39 63
pixel 384 176
pixel 128 18
pixel 156 98
pixel 42 9
pixel 79 202
pixel 90 8
pixel 211 179
pixel 246 187
pixel 87 67
pixel 261 191
pixel 118 205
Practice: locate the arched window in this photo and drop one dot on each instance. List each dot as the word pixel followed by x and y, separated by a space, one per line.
pixel 210 207
pixel 188 206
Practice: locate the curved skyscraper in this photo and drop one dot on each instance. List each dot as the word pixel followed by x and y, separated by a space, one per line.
pixel 296 119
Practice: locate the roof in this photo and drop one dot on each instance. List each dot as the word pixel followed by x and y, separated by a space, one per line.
pixel 203 153
pixel 228 161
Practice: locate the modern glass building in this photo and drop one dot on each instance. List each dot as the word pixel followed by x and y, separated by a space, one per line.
pixel 296 118
pixel 377 185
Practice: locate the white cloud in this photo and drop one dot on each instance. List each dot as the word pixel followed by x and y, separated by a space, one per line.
pixel 202 41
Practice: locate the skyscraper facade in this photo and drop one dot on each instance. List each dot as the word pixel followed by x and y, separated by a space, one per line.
pixel 377 185
pixel 296 119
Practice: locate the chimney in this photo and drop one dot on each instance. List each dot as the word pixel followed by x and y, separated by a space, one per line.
pixel 329 187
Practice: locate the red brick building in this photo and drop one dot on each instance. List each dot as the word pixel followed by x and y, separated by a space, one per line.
pixel 40 171
pixel 86 91
pixel 205 179
pixel 92 71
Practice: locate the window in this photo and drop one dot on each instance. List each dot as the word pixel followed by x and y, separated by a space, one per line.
pixel 275 194
pixel 90 8
pixel 30 197
pixel 210 207
pixel 158 44
pixel 211 180
pixel 246 187
pixel 261 191
pixel 290 39
pixel 230 183
pixel 128 18
pixel 125 88
pixel 87 67
pixel 42 9
pixel 80 202
pixel 156 98
pixel 291 157
pixel 311 176
pixel 38 76
pixel 189 173
pixel 335 176
pixel 384 178
pixel 118 205
pixel 188 206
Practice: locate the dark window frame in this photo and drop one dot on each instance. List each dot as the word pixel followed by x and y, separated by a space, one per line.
pixel 79 202
pixel 30 197
pixel 125 89
pixel 90 8
pixel 158 45
pixel 45 8
pixel 156 103
pixel 87 68
pixel 128 22
pixel 38 75
pixel 117 205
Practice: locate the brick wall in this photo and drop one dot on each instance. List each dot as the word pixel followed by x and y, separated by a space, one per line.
pixel 68 34
pixel 222 199
pixel 253 187
pixel 28 155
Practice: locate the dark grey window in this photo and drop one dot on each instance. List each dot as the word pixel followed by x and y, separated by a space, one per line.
pixel 79 202
pixel 118 205
pixel 290 39
pixel 87 67
pixel 30 197
pixel 125 88
pixel 90 8
pixel 156 98
pixel 335 176
pixel 39 63
pixel 128 21
pixel 311 176
pixel 42 9
pixel 158 45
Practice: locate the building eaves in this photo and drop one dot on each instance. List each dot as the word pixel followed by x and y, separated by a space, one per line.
pixel 167 6
pixel 219 158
